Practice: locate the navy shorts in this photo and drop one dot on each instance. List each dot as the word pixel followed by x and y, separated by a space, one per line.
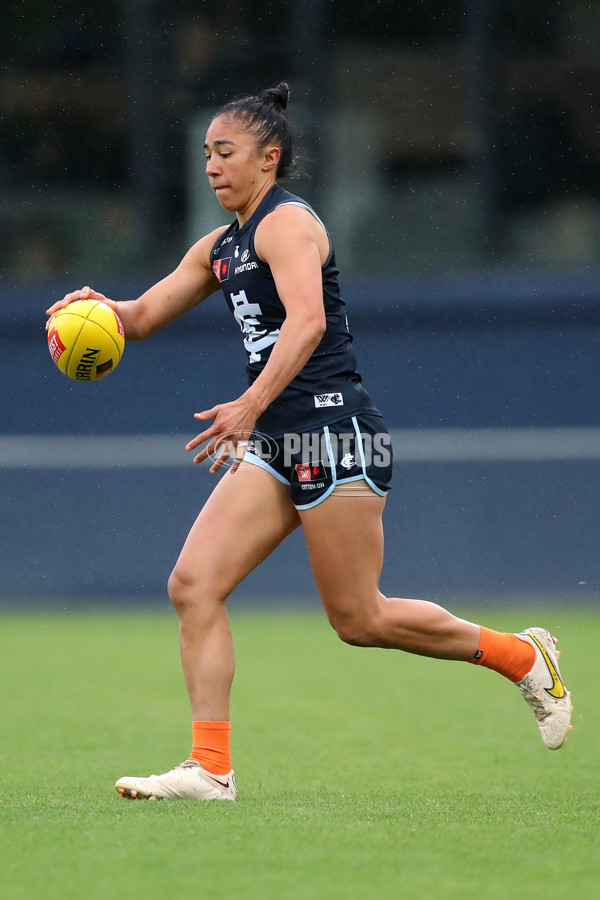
pixel 313 463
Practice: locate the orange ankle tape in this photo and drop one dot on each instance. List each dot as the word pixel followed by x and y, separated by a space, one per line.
pixel 211 746
pixel 504 653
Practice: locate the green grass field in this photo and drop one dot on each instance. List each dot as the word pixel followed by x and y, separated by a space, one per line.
pixel 362 773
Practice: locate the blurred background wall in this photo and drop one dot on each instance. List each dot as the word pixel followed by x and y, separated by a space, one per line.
pixel 453 149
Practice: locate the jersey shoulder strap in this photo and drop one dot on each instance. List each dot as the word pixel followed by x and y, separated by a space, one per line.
pixel 281 197
pixel 296 201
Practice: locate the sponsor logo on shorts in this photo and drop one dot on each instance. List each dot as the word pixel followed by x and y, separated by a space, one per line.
pixel 311 476
pixel 309 471
pixel 323 400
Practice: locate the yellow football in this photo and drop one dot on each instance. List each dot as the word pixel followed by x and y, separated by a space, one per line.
pixel 86 340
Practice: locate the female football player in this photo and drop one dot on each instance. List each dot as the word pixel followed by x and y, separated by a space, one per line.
pixel 306 446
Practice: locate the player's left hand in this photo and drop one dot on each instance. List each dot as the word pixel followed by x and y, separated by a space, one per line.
pixel 85 293
pixel 228 435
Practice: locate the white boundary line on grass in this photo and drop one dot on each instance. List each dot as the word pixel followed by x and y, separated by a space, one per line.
pixel 432 445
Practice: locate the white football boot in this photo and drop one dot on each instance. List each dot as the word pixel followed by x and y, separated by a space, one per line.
pixel 545 691
pixel 188 781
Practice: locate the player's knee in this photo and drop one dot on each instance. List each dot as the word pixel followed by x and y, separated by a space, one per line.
pixel 357 629
pixel 194 590
pixel 180 588
pixel 185 589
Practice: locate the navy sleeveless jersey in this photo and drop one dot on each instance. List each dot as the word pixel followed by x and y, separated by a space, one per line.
pixel 328 388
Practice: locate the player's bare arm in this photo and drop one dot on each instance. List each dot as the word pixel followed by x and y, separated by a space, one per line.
pixel 188 285
pixel 295 246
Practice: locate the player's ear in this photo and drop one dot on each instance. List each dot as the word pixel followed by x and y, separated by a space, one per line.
pixel 271 158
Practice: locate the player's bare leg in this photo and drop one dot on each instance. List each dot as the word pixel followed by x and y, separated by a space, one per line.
pixel 344 536
pixel 248 514
pixel 345 542
pixel 246 517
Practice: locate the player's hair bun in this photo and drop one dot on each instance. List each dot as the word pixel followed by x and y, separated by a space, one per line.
pixel 265 117
pixel 278 96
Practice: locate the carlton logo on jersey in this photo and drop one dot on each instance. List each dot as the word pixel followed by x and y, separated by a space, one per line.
pixel 246 315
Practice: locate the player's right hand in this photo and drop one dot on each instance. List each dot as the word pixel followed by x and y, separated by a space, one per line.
pixel 86 293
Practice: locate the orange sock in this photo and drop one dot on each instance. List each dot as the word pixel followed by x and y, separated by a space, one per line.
pixel 211 746
pixel 504 653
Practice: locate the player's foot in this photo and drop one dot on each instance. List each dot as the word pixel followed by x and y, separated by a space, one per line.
pixel 545 691
pixel 188 781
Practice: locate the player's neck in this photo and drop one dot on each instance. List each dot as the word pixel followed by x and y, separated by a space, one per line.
pixel 244 214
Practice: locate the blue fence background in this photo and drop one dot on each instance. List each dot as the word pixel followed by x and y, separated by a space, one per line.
pixel 485 351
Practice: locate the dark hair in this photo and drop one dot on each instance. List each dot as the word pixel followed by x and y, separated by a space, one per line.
pixel 265 117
